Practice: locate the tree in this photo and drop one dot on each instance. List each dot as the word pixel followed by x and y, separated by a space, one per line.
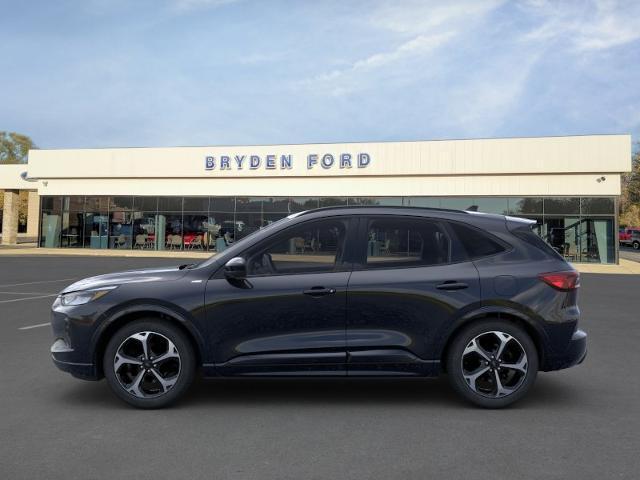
pixel 14 147
pixel 630 199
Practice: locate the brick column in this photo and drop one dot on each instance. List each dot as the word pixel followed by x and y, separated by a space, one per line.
pixel 10 217
pixel 33 213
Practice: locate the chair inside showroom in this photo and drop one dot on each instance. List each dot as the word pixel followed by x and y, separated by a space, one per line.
pixel 175 242
pixel 141 241
pixel 196 242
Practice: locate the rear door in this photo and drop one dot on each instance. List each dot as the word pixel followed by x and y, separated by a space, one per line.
pixel 411 280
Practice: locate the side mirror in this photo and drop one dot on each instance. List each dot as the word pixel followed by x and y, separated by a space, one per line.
pixel 235 269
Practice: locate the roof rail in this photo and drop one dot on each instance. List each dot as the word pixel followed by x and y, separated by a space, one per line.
pixel 403 207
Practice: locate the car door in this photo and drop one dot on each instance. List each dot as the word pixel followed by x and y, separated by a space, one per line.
pixel 410 280
pixel 289 316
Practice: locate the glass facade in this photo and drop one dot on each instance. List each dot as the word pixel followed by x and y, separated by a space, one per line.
pixel 580 228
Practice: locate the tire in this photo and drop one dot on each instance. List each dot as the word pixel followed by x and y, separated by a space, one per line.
pixel 636 245
pixel 149 384
pixel 469 361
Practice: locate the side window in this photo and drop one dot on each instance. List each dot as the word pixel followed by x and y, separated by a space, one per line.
pixel 312 247
pixel 476 242
pixel 406 242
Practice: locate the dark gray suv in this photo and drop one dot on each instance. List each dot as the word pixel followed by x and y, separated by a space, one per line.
pixel 353 291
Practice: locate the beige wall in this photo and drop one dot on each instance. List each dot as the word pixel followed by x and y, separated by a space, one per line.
pixel 33 214
pixel 578 154
pixel 514 166
pixel 476 185
pixel 10 177
pixel 10 217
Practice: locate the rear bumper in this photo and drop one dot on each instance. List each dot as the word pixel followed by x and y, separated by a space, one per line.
pixel 62 356
pixel 574 354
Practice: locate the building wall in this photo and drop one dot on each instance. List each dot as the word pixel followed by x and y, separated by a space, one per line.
pixel 472 185
pixel 544 155
pixel 483 170
pixel 515 166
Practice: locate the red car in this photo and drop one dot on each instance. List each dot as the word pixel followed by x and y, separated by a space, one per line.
pixel 629 237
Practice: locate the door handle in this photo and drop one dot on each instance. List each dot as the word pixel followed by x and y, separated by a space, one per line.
pixel 452 285
pixel 319 291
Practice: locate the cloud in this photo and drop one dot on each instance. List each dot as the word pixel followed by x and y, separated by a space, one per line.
pixel 600 25
pixel 421 16
pixel 480 107
pixel 419 29
pixel 341 81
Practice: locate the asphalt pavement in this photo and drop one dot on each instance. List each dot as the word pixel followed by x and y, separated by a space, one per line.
pixel 629 253
pixel 581 423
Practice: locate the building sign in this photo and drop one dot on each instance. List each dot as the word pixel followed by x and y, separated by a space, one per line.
pixel 285 162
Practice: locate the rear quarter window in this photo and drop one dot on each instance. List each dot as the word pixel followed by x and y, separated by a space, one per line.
pixel 476 242
pixel 529 236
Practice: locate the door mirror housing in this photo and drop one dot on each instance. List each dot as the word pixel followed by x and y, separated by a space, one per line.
pixel 236 269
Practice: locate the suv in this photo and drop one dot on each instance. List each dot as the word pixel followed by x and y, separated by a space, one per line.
pixel 630 237
pixel 343 291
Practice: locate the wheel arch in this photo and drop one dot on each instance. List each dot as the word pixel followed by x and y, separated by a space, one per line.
pixel 127 315
pixel 529 326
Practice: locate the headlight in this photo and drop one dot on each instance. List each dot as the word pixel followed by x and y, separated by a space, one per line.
pixel 84 296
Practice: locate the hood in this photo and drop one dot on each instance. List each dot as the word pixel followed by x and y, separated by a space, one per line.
pixel 131 276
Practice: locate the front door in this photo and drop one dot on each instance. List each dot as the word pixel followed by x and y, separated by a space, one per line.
pixel 289 317
pixel 409 284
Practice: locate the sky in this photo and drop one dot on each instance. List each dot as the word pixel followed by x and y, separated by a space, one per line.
pixel 115 73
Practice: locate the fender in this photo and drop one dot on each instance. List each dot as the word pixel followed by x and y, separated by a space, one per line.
pixel 492 309
pixel 150 305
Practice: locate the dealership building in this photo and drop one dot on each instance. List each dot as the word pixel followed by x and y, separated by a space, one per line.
pixel 204 198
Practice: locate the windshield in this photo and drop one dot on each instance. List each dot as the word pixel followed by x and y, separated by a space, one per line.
pixel 240 244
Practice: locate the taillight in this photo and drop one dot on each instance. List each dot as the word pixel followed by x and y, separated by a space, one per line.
pixel 565 281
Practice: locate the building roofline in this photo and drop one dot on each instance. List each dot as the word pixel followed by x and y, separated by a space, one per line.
pixel 342 142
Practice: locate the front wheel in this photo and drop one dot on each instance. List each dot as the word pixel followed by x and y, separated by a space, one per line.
pixel 636 245
pixel 492 363
pixel 149 363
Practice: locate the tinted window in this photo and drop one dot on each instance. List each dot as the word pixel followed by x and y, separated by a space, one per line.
pixel 597 205
pixel 406 242
pixel 529 236
pixel 309 248
pixel 476 243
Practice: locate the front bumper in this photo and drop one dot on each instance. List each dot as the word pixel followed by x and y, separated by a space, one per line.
pixel 62 356
pixel 574 354
pixel 71 351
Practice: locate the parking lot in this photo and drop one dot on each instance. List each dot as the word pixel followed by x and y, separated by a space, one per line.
pixel 629 253
pixel 580 423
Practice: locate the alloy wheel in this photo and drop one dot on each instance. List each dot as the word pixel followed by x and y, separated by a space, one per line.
pixel 147 364
pixel 494 364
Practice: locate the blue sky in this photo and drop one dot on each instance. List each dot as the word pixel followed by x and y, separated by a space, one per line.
pixel 102 73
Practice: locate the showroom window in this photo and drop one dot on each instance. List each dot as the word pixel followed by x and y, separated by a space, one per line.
pixel 580 229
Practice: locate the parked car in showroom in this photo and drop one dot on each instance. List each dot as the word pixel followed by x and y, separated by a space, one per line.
pixel 389 291
pixel 630 237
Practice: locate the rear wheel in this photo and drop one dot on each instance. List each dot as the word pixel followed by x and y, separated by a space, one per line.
pixel 492 363
pixel 636 245
pixel 149 363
